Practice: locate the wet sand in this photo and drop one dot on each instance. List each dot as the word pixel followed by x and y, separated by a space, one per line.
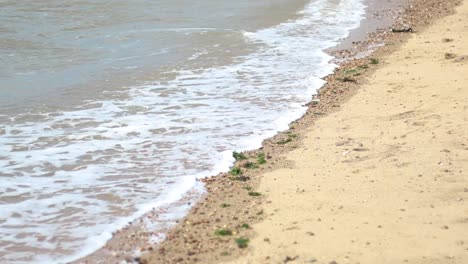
pixel 380 179
pixel 343 183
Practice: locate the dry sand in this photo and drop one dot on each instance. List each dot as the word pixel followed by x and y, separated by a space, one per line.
pixel 385 178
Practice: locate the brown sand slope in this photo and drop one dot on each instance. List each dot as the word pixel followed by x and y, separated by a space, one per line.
pixel 385 179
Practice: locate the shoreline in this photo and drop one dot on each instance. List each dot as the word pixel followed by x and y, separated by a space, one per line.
pixel 192 239
pixel 383 179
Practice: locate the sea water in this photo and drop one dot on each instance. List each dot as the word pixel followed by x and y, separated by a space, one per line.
pixel 111 108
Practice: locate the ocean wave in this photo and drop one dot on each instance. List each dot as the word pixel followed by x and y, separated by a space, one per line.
pixel 72 178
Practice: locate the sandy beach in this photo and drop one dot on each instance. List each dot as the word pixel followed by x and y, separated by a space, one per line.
pixel 381 178
pixel 375 172
pixel 384 179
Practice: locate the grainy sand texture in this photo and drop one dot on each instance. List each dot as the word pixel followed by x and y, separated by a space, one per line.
pixel 375 172
pixel 385 178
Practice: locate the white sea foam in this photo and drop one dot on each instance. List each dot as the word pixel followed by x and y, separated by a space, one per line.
pixel 77 176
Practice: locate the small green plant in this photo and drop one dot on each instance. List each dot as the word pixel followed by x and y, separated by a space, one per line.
pixel 240 178
pixel 224 205
pixel 350 71
pixel 284 141
pixel 246 226
pixel 242 242
pixel 252 165
pixel 364 66
pixel 248 188
pixel 223 232
pixel 346 79
pixel 239 156
pixel 235 171
pixel 261 158
pixel 374 61
pixel 224 253
pixel 255 194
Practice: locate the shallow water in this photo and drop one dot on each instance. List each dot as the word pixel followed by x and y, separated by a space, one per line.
pixel 111 108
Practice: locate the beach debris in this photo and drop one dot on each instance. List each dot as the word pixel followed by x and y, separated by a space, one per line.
pixel 404 29
pixel 360 149
pixel 449 55
pixel 139 260
pixel 299 190
pixel 135 260
pixel 256 194
pixel 240 178
pixel 289 259
pixel 460 58
pixel 314 101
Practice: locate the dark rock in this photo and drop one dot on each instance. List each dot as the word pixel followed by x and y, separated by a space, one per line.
pixel 245 164
pixel 289 259
pixel 449 56
pixel 405 29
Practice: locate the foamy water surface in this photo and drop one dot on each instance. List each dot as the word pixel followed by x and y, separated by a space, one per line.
pixel 72 174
